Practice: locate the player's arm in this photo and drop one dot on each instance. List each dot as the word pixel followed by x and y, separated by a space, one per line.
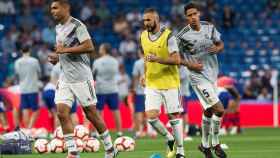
pixel 191 65
pixel 218 44
pixel 217 47
pixel 85 47
pixel 173 58
pixel 86 44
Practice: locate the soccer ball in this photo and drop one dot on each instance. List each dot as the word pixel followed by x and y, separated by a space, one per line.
pixel 57 145
pixel 81 132
pixel 92 145
pixel 58 133
pixel 80 145
pixel 124 143
pixel 41 146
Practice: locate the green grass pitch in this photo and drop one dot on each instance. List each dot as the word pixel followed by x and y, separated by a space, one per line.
pixel 253 143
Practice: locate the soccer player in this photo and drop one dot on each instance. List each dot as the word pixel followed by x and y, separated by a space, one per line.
pixel 28 71
pixel 139 99
pixel 200 42
pixel 230 98
pixel 48 97
pixel 73 45
pixel 162 80
pixel 105 70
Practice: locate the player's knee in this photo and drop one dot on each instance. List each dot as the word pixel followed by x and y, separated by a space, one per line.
pixel 63 113
pixel 218 109
pixel 208 112
pixel 174 116
pixel 220 112
pixel 152 114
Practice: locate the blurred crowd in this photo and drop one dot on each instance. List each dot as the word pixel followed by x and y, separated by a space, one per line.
pixel 121 27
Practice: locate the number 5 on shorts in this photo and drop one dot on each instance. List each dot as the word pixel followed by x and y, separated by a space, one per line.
pixel 205 93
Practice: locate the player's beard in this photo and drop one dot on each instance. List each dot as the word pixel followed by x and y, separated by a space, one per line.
pixel 152 27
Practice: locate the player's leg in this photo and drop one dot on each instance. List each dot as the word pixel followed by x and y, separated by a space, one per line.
pixel 186 119
pixel 73 113
pixel 172 102
pixel 3 117
pixel 3 120
pixel 152 107
pixel 85 93
pixel 48 98
pixel 218 111
pixel 139 115
pixel 63 113
pixel 64 99
pixel 24 109
pixel 202 95
pixel 34 103
pixel 113 103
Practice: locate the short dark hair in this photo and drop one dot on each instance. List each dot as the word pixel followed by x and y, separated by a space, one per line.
pixel 150 10
pixel 107 47
pixel 62 1
pixel 191 5
pixel 25 49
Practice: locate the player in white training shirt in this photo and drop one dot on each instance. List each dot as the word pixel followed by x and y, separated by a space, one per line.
pixel 28 71
pixel 200 42
pixel 73 45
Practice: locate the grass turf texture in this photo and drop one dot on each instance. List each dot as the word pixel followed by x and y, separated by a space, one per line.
pixel 253 143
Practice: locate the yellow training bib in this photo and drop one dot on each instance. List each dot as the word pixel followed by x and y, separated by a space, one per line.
pixel 159 76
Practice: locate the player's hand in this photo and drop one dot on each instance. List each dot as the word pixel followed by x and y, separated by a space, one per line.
pixel 195 66
pixel 53 58
pixel 152 58
pixel 59 49
pixel 142 81
pixel 213 49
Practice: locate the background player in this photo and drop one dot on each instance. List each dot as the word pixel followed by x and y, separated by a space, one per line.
pixel 200 42
pixel 105 70
pixel 139 98
pixel 230 97
pixel 162 79
pixel 28 71
pixel 76 80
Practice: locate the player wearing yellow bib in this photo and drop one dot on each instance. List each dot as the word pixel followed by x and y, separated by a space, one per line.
pixel 162 80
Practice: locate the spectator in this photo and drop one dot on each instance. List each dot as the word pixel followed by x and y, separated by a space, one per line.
pixel 134 18
pixel 103 12
pixel 27 21
pixel 128 46
pixel 266 80
pixel 7 44
pixel 264 95
pixel 177 8
pixel 120 25
pixel 48 34
pixel 228 17
pixel 7 7
pixel 87 10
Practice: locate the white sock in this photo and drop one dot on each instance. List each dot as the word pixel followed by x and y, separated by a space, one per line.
pixel 160 128
pixel 215 126
pixel 177 125
pixel 186 130
pixel 70 143
pixel 205 127
pixel 106 139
